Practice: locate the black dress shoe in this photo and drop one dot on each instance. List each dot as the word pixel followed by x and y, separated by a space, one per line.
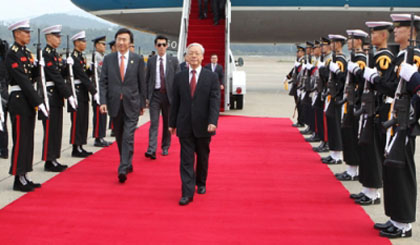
pixel 4 154
pixel 201 190
pixel 150 155
pixel 130 169
pixel 383 226
pixel 313 139
pixel 306 131
pixel 346 177
pixel 53 166
pixel 34 185
pixel 357 196
pixel 165 152
pixel 76 153
pixel 298 125
pixel 23 187
pixel 100 142
pixel 365 201
pixel 185 200
pixel 326 159
pixel 122 178
pixel 333 161
pixel 86 152
pixel 394 232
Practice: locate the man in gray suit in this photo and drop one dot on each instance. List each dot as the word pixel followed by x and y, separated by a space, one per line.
pixel 160 74
pixel 122 91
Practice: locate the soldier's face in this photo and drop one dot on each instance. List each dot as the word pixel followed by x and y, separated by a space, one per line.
pixel 195 56
pixel 80 45
pixel 100 46
pixel 317 51
pixel 325 48
pixel 54 40
pixel 401 34
pixel 23 37
pixel 123 42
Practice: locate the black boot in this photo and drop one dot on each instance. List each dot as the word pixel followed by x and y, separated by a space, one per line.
pixel 21 184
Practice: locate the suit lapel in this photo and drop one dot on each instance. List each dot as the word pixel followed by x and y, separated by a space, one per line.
pixel 130 63
pixel 117 66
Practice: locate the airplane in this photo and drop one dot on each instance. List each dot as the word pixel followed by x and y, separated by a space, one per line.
pixel 256 21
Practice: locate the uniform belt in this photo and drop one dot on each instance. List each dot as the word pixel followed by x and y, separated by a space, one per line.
pixel 77 81
pixel 15 88
pixel 50 83
pixel 388 100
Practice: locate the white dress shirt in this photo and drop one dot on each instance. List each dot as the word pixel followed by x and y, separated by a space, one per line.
pixel 157 85
pixel 197 74
pixel 213 67
pixel 126 56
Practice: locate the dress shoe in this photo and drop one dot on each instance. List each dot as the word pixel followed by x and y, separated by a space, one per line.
pixel 130 169
pixel 383 226
pixel 216 23
pixel 4 154
pixel 306 131
pixel 151 155
pixel 22 185
pixel 185 200
pixel 346 176
pixel 321 148
pixel 34 185
pixel 100 142
pixel 86 152
pixel 205 15
pixel 298 125
pixel 365 201
pixel 165 152
pixel 357 196
pixel 201 190
pixel 394 232
pixel 54 166
pixel 77 152
pixel 122 177
pixel 326 159
pixel 333 161
pixel 313 139
pixel 112 133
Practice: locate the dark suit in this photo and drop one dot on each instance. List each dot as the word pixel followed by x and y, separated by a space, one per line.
pixel 218 71
pixel 125 98
pixel 191 117
pixel 183 66
pixel 160 99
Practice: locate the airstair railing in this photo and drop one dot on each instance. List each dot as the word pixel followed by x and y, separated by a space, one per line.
pixel 227 78
pixel 183 30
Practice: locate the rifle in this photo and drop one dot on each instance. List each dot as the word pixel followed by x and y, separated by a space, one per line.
pixel 42 73
pixel 95 71
pixel 70 68
pixel 400 114
pixel 3 50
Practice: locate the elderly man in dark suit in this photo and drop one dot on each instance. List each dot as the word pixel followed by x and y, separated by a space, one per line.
pixel 216 68
pixel 194 115
pixel 122 91
pixel 160 74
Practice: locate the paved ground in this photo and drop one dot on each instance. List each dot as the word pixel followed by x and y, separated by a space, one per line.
pixel 265 97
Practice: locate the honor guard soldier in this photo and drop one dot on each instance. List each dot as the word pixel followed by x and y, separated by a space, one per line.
pixel 336 72
pixel 306 91
pixel 4 93
pixel 293 78
pixel 99 119
pixel 83 85
pixel 350 103
pixel 23 101
pixel 399 174
pixel 57 91
pixel 112 46
pixel 321 96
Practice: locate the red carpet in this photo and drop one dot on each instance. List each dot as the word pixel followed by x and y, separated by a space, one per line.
pixel 210 36
pixel 265 186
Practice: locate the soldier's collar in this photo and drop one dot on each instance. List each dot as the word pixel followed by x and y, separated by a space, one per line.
pixel 51 48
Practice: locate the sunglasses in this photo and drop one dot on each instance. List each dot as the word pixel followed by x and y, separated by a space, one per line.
pixel 161 44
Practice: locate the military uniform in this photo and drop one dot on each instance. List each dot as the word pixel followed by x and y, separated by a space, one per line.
pixel 294 78
pixel 80 117
pixel 4 83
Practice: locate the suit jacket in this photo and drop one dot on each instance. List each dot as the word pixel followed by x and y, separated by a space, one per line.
pixel 218 70
pixel 191 116
pixel 172 68
pixel 133 89
pixel 183 66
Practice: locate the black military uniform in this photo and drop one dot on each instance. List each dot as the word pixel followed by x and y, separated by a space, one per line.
pixel 4 84
pixel 99 119
pixel 23 101
pixel 294 77
pixel 57 91
pixel 306 100
pixel 80 118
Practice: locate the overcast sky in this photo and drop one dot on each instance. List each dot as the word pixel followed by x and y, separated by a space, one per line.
pixel 21 9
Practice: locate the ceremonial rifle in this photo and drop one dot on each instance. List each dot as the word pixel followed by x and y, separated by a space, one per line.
pixel 42 73
pixel 70 69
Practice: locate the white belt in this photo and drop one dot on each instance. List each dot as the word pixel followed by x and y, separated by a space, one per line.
pixel 388 100
pixel 77 81
pixel 50 83
pixel 15 88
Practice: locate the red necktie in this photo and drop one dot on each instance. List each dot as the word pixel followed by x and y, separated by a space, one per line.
pixel 193 83
pixel 162 77
pixel 122 68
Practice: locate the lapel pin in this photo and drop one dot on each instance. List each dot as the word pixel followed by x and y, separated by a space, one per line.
pixel 131 61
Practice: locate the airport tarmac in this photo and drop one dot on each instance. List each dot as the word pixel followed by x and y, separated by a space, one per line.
pixel 265 97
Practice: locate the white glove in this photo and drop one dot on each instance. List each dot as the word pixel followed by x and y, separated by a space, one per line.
pixel 334 67
pixel 43 109
pixel 407 71
pixel 73 102
pixel 370 74
pixel 297 64
pixel 1 117
pixel 309 66
pixel 321 64
pixel 96 98
pixel 70 60
pixel 42 62
pixel 353 67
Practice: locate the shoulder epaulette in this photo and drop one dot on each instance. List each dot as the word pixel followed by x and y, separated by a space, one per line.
pixel 48 50
pixel 75 53
pixel 15 48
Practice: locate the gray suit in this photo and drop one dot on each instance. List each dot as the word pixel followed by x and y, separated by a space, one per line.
pixel 124 100
pixel 160 100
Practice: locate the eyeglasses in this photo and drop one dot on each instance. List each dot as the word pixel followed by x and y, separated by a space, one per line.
pixel 161 44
